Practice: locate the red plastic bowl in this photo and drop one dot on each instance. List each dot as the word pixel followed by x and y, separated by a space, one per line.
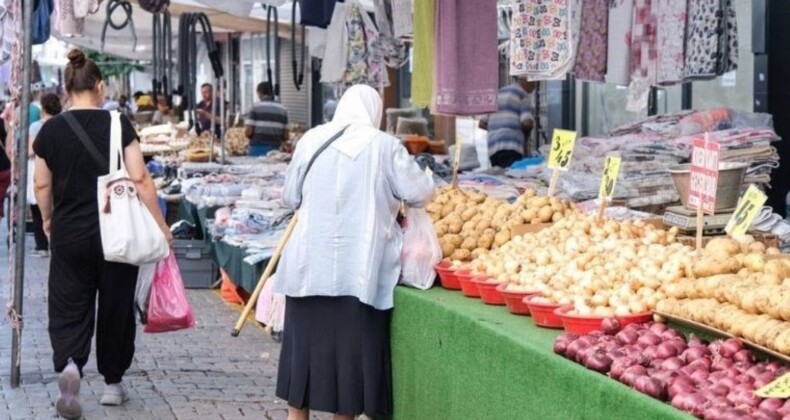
pixel 447 276
pixel 488 291
pixel 515 300
pixel 578 324
pixel 468 288
pixel 543 313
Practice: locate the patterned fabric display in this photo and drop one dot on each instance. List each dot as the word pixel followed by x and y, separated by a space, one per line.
pixel 591 55
pixel 702 39
pixel 541 43
pixel 365 60
pixel 618 61
pixel 671 33
pixel 643 55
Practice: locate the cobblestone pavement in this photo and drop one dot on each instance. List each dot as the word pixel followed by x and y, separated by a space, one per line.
pixel 202 373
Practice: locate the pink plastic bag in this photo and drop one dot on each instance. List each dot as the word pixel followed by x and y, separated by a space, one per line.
pixel 168 307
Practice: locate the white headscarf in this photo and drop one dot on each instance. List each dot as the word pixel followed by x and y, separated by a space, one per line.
pixel 360 109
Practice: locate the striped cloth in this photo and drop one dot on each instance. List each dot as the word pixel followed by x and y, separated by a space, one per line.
pixel 504 126
pixel 269 121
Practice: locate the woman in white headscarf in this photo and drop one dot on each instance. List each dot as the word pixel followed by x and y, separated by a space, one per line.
pixel 341 265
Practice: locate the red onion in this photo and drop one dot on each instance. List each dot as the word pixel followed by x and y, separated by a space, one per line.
pixel 732 372
pixel 719 390
pixel 694 341
pixel 589 340
pixel 633 327
pixel 699 375
pixel 785 410
pixel 610 325
pixel 766 415
pixel 715 347
pixel 671 364
pixel 722 364
pixel 629 378
pixel 741 398
pixel 714 413
pixel 619 366
pixel 744 379
pixel 672 334
pixel 756 370
pixel 688 370
pixel 666 350
pixel 736 414
pixel 627 336
pixel 664 375
pixel 651 387
pixel 763 380
pixel 659 327
pixel 702 363
pixel 771 404
pixel 730 347
pixel 560 347
pixel 649 339
pixel 650 352
pixel 616 353
pixel 743 356
pixel 679 344
pixel 574 348
pixel 722 402
pixel 694 353
pixel 583 355
pixel 598 362
pixel 679 385
pixel 692 403
pixel 773 366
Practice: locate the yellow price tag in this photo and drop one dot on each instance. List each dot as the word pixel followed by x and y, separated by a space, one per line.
pixel 610 171
pixel 779 388
pixel 562 149
pixel 749 206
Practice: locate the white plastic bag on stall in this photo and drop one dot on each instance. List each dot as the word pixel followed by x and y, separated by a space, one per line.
pixel 145 277
pixel 421 250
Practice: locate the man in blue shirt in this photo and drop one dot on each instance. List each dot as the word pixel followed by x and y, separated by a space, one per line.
pixel 510 127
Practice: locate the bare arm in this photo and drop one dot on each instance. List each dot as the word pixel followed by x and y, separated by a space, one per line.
pixel 135 165
pixel 43 191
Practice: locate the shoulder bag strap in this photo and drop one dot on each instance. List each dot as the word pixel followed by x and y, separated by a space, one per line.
pixel 315 155
pixel 86 141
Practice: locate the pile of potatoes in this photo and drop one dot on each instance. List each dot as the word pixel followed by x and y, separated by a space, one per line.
pixel 469 223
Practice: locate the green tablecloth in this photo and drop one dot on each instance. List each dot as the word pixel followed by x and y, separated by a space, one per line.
pixel 198 216
pixel 231 259
pixel 456 358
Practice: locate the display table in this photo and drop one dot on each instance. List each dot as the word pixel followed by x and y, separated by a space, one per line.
pixel 198 216
pixel 455 358
pixel 231 259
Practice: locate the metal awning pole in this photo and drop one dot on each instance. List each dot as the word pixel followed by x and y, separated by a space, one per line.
pixel 21 187
pixel 221 85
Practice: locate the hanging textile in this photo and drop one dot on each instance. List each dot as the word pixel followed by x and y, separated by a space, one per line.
pixel 729 58
pixel 643 55
pixel 591 53
pixel 334 63
pixel 316 40
pixel 317 13
pixel 365 64
pixel 670 36
pixel 618 52
pixel 393 49
pixel 83 8
pixel 41 19
pixel 66 24
pixel 542 40
pixel 401 18
pixel 423 53
pixel 467 70
pixel 704 27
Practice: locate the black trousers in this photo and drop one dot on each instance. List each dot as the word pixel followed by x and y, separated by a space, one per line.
pixel 77 273
pixel 42 243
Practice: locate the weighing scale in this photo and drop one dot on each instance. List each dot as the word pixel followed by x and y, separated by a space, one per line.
pixel 686 220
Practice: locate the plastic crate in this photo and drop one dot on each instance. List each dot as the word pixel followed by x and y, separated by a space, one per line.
pixel 194 262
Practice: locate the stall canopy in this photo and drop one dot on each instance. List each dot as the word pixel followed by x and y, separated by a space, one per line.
pixel 225 16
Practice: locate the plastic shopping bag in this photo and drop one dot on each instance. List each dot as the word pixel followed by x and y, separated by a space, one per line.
pixel 270 309
pixel 421 250
pixel 145 278
pixel 168 307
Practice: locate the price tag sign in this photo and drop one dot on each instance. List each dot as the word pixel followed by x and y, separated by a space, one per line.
pixel 780 388
pixel 749 207
pixel 610 171
pixel 704 174
pixel 562 149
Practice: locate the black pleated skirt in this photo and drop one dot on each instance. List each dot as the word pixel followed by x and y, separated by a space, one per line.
pixel 335 356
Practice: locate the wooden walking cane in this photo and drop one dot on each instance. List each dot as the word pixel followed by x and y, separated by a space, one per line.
pixel 265 276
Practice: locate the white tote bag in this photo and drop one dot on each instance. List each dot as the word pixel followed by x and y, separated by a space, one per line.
pixel 129 233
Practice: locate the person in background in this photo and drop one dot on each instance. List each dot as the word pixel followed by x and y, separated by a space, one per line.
pixel 266 125
pixel 50 107
pixel 144 102
pixel 510 127
pixel 339 283
pixel 34 113
pixel 124 106
pixel 204 111
pixel 65 187
pixel 162 113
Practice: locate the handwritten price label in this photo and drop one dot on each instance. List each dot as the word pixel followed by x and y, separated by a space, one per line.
pixel 562 149
pixel 779 388
pixel 749 207
pixel 704 176
pixel 610 172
